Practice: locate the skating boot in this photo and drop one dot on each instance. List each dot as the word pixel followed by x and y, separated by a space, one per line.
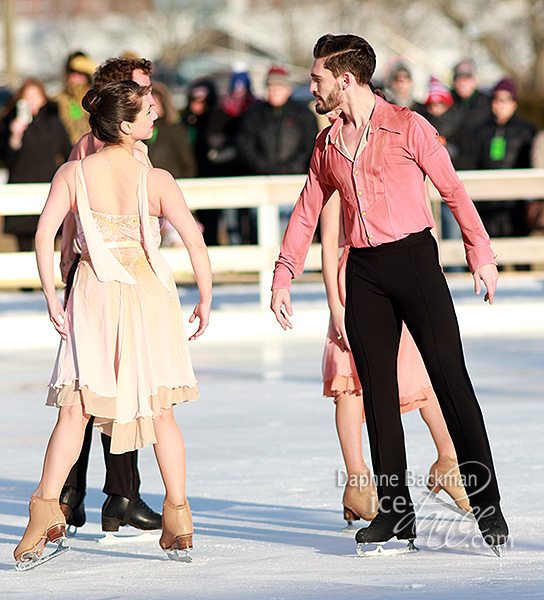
pixel 492 524
pixel 71 504
pixel 177 531
pixel 382 528
pixel 118 511
pixel 445 475
pixel 360 499
pixel 46 524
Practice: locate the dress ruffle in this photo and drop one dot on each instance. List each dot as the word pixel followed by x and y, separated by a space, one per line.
pixel 340 374
pixel 133 435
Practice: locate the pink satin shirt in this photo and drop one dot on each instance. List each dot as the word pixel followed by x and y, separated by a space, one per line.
pixel 382 190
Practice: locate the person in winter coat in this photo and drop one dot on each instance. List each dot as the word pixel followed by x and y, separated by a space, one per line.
pixel 471 108
pixel 33 143
pixel 169 147
pixel 277 136
pixel 504 142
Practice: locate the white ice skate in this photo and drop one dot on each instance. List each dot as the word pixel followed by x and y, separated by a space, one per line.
pixel 111 537
pixel 377 549
pixel 179 555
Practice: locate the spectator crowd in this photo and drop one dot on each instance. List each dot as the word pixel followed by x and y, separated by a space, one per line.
pixel 237 134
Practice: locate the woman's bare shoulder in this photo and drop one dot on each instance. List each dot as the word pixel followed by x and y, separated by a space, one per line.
pixel 66 171
pixel 160 178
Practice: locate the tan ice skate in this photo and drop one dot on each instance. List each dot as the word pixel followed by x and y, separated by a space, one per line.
pixel 360 498
pixel 445 475
pixel 177 531
pixel 47 524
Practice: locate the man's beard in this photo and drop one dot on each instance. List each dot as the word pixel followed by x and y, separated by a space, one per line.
pixel 331 102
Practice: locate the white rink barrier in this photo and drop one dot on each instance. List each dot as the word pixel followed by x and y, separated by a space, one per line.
pixel 267 194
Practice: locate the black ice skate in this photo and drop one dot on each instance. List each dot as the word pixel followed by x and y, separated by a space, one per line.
pixel 71 504
pixel 492 525
pixel 118 511
pixel 384 527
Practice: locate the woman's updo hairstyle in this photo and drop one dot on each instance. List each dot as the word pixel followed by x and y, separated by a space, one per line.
pixel 112 104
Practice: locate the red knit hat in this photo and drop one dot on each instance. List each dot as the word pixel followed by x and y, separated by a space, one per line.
pixel 278 74
pixel 439 93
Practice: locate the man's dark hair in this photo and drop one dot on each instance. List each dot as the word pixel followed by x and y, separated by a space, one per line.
pixel 112 104
pixel 120 69
pixel 349 53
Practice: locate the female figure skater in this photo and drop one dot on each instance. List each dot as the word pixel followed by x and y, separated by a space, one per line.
pixel 340 381
pixel 123 357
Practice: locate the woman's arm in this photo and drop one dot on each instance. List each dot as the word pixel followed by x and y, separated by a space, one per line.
pixel 57 206
pixel 67 253
pixel 175 209
pixel 330 232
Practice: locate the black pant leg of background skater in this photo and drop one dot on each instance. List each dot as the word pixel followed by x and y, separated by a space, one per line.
pixel 122 477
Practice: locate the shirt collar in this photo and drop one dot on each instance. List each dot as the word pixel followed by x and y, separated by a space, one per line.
pixel 383 117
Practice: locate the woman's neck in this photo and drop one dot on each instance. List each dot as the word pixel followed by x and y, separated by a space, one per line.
pixel 126 145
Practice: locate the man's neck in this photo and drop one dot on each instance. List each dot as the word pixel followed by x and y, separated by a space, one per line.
pixel 359 105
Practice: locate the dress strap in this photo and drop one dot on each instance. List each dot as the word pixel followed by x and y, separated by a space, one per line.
pixel 158 263
pixel 104 264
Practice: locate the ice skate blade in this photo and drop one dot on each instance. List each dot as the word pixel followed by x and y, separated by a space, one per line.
pixel 110 538
pixel 497 550
pixel 179 555
pixel 450 505
pixel 36 561
pixel 349 528
pixel 381 551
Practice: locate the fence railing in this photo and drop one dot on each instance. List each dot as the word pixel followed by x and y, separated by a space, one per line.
pixel 267 194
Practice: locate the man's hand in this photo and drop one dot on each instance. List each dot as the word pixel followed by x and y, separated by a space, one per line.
pixel 281 307
pixel 489 275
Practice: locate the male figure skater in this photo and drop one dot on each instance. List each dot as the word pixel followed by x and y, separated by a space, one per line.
pixel 377 156
pixel 123 506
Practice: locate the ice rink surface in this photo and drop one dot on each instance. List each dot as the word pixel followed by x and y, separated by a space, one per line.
pixel 263 462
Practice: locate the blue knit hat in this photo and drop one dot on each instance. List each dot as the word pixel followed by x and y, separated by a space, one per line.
pixel 240 81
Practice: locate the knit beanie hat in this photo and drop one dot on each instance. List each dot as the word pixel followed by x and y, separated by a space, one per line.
pixel 439 93
pixel 240 81
pixel 278 74
pixel 508 85
pixel 464 69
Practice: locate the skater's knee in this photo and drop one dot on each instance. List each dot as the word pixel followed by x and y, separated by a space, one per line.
pixel 166 416
pixel 75 413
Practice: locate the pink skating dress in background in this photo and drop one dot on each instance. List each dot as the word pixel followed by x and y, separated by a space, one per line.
pixel 340 375
pixel 126 357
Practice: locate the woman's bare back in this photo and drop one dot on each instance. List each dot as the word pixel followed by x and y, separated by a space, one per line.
pixel 112 176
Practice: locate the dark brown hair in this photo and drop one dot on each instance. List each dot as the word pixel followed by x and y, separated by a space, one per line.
pixel 112 104
pixel 120 69
pixel 347 53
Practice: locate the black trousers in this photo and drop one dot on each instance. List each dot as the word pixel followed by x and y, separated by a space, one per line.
pixel 403 281
pixel 122 477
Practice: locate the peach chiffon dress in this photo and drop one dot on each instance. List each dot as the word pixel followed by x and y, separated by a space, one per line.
pixel 126 357
pixel 340 375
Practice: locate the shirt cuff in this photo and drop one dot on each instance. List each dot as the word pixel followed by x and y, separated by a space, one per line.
pixel 480 256
pixel 282 278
